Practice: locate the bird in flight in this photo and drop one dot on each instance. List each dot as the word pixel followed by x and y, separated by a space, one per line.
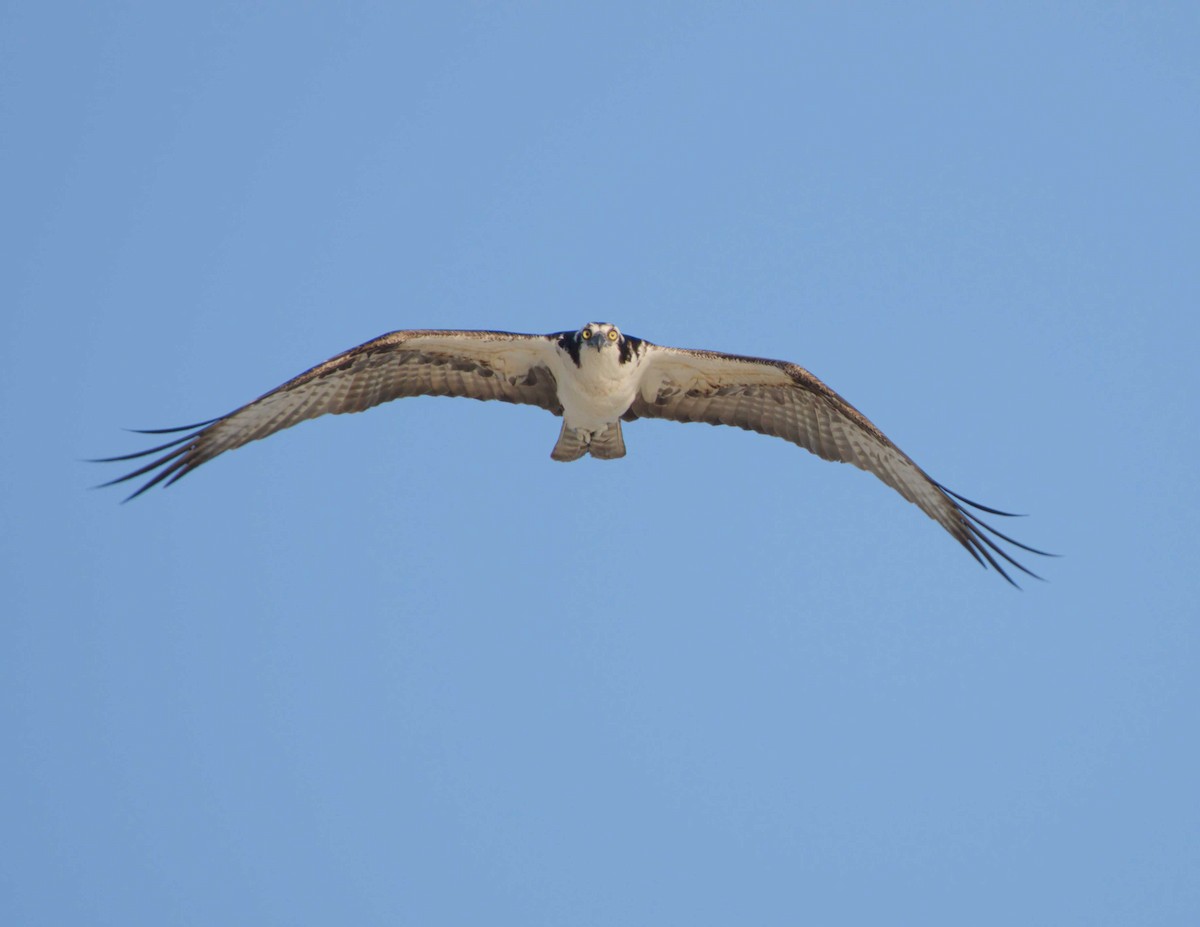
pixel 594 379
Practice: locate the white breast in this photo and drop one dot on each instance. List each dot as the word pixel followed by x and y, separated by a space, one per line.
pixel 597 392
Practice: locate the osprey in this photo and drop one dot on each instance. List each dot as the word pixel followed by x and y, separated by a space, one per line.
pixel 594 379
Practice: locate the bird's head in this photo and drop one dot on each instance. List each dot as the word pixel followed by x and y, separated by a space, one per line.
pixel 599 335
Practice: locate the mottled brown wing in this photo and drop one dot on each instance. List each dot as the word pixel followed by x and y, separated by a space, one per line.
pixel 786 401
pixel 471 364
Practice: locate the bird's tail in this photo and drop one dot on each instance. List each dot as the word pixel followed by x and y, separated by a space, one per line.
pixel 608 444
pixel 573 443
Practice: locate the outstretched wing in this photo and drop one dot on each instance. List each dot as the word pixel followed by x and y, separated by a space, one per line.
pixel 786 401
pixel 471 364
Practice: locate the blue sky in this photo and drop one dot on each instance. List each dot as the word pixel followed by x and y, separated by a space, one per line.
pixel 401 667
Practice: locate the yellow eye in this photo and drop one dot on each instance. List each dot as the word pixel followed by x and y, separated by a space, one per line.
pixel 587 334
pixel 612 334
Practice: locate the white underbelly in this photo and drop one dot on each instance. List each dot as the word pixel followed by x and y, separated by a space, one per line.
pixel 597 393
